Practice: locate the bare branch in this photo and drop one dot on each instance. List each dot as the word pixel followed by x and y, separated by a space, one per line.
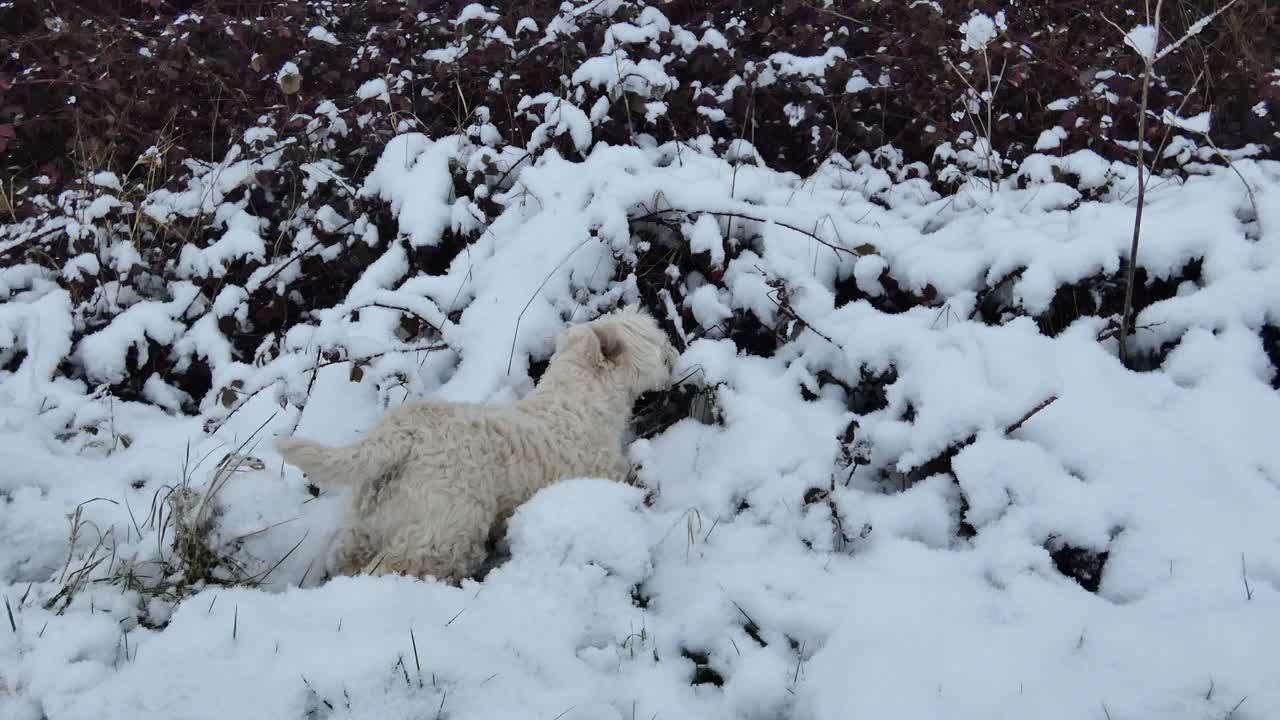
pixel 1192 31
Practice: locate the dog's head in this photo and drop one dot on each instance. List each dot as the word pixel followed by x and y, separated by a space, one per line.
pixel 625 346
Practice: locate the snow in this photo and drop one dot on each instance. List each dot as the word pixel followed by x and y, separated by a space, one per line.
pixel 856 83
pixel 288 70
pixel 704 236
pixel 107 180
pixel 164 395
pixel 413 175
pixel 558 118
pixel 617 72
pixel 1051 138
pixel 42 330
pixel 322 34
pixel 714 39
pixel 103 353
pixel 1143 39
pixel 1198 124
pixel 708 308
pixel 374 88
pixel 867 271
pixel 813 585
pixel 980 29
pixel 627 34
pixel 475 11
pixel 788 64
pixel 240 240
pixel 256 135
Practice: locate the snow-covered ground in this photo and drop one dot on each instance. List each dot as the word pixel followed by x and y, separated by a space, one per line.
pixel 723 586
pixel 901 485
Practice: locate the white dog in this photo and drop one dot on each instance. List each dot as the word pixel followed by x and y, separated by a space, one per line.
pixel 432 477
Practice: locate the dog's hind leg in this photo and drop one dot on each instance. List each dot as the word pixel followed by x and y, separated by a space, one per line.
pixel 448 554
pixel 355 552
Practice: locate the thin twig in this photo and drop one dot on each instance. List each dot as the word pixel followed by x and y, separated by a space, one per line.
pixel 516 333
pixel 842 16
pixel 310 384
pixel 791 313
pixel 744 613
pixel 1191 32
pixel 1132 269
pixel 1012 428
pixel 271 276
pixel 267 574
pixel 1168 131
pixel 459 613
pixel 405 310
pixel 417 663
pixel 1253 201
pixel 743 216
pixel 511 169
pixel 245 398
pixel 1244 577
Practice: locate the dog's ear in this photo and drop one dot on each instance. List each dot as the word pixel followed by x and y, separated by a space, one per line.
pixel 611 343
pixel 592 343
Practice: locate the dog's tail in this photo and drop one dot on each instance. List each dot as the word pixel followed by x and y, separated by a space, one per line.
pixel 352 465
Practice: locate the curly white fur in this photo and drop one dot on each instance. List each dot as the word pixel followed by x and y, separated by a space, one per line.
pixel 432 477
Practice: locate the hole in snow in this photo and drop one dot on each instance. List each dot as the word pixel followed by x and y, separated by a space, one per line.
pixel 1080 564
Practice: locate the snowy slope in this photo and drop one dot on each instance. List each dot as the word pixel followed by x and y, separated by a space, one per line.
pixel 735 569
